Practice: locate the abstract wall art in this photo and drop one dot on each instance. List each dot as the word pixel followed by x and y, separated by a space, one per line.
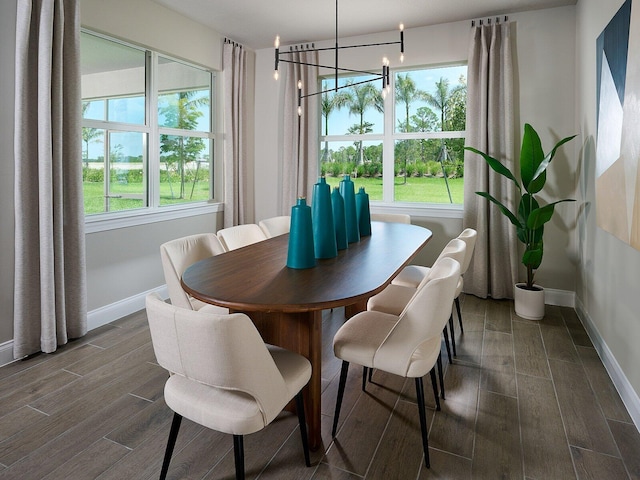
pixel 618 126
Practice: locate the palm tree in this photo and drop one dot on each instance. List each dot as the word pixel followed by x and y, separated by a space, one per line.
pixel 89 134
pixel 330 102
pixel 359 99
pixel 407 92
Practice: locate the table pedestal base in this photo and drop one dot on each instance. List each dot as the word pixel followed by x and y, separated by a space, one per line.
pixel 300 332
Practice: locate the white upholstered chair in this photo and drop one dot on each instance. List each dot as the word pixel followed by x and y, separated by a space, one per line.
pixel 177 255
pixel 394 298
pixel 274 226
pixel 223 376
pixel 407 345
pixel 391 217
pixel 412 275
pixel 240 236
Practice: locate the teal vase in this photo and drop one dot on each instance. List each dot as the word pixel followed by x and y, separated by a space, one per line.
pixel 301 253
pixel 339 221
pixel 324 238
pixel 363 212
pixel 347 190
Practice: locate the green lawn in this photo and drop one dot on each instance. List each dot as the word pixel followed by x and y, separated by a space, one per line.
pixel 417 189
pixel 94 195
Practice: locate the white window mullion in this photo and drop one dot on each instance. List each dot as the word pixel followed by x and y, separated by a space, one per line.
pixel 153 139
pixel 388 144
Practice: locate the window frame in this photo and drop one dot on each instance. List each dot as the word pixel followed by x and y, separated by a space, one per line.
pixel 388 139
pixel 152 211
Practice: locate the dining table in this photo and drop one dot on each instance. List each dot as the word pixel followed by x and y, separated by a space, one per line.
pixel 286 303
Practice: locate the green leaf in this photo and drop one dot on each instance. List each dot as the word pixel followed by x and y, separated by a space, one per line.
pixel 533 257
pixel 540 216
pixel 531 155
pixel 505 211
pixel 496 165
pixel 547 159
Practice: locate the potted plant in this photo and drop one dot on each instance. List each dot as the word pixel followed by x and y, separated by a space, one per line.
pixel 530 217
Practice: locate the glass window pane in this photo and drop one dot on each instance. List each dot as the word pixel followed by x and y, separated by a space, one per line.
pixel 93 170
pixel 114 73
pixel 431 100
pixel 348 158
pixel 184 96
pixel 127 167
pixel 352 110
pixel 429 171
pixel 94 109
pixel 184 169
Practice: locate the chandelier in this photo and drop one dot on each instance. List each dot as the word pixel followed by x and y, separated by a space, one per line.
pixel 285 57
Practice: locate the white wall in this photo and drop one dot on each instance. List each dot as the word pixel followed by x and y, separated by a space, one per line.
pixel 608 284
pixel 544 58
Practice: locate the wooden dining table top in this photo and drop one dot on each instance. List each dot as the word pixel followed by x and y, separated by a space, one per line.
pixel 256 278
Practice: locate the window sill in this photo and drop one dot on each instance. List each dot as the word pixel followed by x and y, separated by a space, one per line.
pixel 420 210
pixel 112 221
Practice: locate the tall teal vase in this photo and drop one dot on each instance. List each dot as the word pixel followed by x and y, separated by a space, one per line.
pixel 301 253
pixel 339 221
pixel 347 190
pixel 324 238
pixel 363 212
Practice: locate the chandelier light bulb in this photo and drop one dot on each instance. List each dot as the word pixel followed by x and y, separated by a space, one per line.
pixel 299 111
pixel 275 74
pixel 277 42
pixel 299 84
pixel 402 58
pixel 402 27
pixel 384 93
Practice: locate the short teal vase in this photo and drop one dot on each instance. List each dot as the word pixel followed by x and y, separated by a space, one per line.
pixel 324 237
pixel 301 254
pixel 363 212
pixel 347 190
pixel 339 220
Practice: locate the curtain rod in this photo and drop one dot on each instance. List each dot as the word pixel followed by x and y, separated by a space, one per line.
pixel 489 20
pixel 232 42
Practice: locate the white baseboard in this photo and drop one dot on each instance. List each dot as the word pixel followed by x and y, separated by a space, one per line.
pixel 627 393
pixel 6 353
pixel 107 314
pixel 98 317
pixel 561 298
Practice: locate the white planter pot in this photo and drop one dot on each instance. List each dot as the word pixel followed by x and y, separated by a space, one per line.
pixel 529 303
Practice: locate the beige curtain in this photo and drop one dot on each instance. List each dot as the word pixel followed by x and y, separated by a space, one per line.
pixel 490 128
pixel 300 143
pixel 235 137
pixel 50 288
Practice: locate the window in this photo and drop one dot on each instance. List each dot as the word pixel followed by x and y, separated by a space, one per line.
pixel 146 128
pixel 405 145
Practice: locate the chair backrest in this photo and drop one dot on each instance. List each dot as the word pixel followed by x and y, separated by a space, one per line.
pixel 469 236
pixel 241 236
pixel 391 217
pixel 178 254
pixel 423 318
pixel 222 351
pixel 274 226
pixel 455 249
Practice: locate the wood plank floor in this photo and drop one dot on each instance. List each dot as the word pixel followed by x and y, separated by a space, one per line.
pixel 524 400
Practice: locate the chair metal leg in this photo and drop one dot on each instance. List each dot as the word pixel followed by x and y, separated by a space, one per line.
pixel 423 419
pixel 173 435
pixel 238 455
pixel 343 380
pixel 303 427
pixel 370 375
pixel 453 335
pixel 365 372
pixel 445 333
pixel 457 302
pixel 441 375
pixel 435 388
